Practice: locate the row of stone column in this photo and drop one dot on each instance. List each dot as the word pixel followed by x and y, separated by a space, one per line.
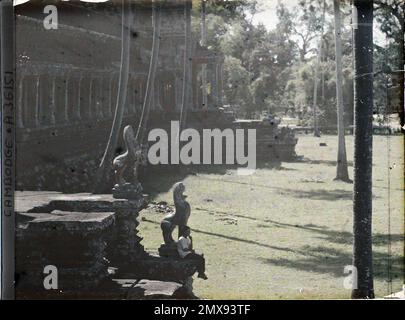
pixel 45 100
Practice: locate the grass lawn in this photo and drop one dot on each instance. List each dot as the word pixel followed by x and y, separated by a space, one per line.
pixel 286 231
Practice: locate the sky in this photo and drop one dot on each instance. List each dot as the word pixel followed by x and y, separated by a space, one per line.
pixel 268 17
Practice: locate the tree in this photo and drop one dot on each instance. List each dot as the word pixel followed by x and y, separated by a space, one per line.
pixel 319 57
pixel 386 86
pixel 204 44
pixel 299 89
pixel 231 10
pixel 237 89
pixel 307 26
pixel 156 20
pixel 187 76
pixel 391 16
pixel 363 143
pixel 109 152
pixel 341 168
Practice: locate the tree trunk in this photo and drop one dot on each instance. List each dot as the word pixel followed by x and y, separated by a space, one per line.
pixel 204 65
pixel 156 18
pixel 363 139
pixel 187 65
pixel 402 73
pixel 318 62
pixel 121 98
pixel 341 168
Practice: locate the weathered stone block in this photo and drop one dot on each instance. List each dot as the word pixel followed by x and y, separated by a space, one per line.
pixel 72 221
pixel 159 268
pixel 151 289
pixel 127 191
pixel 74 242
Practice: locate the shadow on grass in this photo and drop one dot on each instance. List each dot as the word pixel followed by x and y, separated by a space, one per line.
pixel 340 237
pixel 319 194
pixel 324 162
pixel 320 259
pixel 223 236
pixel 159 179
pixel 323 232
pixel 323 259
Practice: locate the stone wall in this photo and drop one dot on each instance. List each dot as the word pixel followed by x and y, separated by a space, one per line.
pixel 92 241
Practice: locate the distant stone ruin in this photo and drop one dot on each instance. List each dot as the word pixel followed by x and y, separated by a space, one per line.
pixel 93 242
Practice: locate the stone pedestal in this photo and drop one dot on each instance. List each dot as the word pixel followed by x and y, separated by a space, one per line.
pixel 127 191
pixel 124 245
pixel 152 289
pixel 84 236
pixel 160 268
pixel 73 242
pixel 168 250
pixel 81 235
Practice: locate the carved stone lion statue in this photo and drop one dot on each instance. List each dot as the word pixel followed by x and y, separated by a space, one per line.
pixel 132 157
pixel 178 218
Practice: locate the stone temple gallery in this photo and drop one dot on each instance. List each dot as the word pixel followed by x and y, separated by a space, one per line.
pixel 69 85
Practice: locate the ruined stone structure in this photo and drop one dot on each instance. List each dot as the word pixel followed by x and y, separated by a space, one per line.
pixel 74 243
pixel 67 82
pixel 273 142
pixel 92 241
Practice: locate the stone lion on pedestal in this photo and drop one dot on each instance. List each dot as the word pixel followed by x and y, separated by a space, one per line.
pixel 177 219
pixel 131 158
